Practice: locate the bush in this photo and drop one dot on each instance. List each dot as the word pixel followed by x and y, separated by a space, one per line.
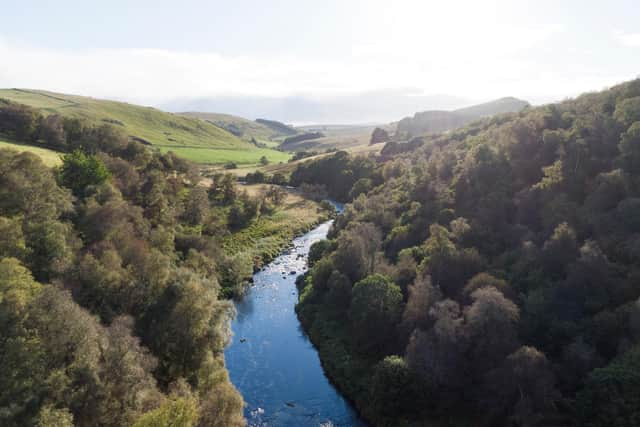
pixel 80 170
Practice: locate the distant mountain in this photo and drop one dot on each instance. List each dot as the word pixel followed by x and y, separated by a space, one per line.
pixel 437 121
pixel 369 107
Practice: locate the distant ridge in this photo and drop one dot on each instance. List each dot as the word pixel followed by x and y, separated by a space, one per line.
pixel 437 121
pixel 244 128
pixel 278 126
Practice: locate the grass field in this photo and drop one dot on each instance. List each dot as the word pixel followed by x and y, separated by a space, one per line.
pixel 49 157
pixel 162 129
pixel 268 235
pixel 251 158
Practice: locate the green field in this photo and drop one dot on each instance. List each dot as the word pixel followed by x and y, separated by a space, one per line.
pixel 202 141
pixel 223 155
pixel 49 157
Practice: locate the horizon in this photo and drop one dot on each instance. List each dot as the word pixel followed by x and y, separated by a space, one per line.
pixel 377 64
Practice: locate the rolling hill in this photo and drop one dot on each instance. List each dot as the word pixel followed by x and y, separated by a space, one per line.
pixel 244 129
pixel 194 139
pixel 437 121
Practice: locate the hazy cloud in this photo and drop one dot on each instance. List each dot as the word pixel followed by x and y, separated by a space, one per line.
pixel 627 39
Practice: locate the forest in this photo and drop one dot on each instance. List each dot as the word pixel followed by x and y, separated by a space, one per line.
pixel 489 275
pixel 114 282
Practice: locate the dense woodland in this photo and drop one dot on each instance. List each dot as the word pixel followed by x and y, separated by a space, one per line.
pixel 113 281
pixel 488 276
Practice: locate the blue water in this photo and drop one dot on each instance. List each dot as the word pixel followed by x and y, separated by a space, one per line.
pixel 272 362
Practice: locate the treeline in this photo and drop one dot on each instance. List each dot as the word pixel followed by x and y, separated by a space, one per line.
pixel 344 177
pixel 491 276
pixel 307 136
pixel 111 273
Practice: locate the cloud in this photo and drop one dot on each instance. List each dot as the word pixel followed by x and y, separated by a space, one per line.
pixel 152 75
pixel 481 66
pixel 627 39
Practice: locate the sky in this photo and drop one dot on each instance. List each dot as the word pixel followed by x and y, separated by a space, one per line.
pixel 188 53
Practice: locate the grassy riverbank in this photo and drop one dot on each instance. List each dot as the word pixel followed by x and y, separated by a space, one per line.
pixel 269 234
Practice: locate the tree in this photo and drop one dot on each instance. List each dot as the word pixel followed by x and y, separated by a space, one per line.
pixel 560 250
pixel 80 170
pixel 223 189
pixel 128 387
pixel 394 391
pixel 17 290
pixel 196 206
pixel 522 389
pixel 422 296
pixel 19 119
pixel 339 294
pixel 52 131
pixel 50 416
pixel 448 266
pixel 12 241
pixel 378 136
pixel 276 194
pixel 438 355
pixel 185 323
pixel 264 161
pixel 363 185
pixel 628 111
pixel 376 308
pixel 178 412
pixel 611 394
pixel 485 280
pixel 278 179
pixel 356 251
pixel 28 188
pixel 491 324
pixel 51 248
pixel 630 148
pixel 221 406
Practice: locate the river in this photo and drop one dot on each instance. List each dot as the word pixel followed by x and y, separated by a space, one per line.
pixel 272 362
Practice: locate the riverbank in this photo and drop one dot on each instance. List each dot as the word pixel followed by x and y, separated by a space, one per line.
pixel 267 236
pixel 348 372
pixel 352 373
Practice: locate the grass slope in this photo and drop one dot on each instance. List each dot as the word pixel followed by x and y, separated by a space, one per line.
pixel 49 157
pixel 341 137
pixel 241 127
pixel 194 139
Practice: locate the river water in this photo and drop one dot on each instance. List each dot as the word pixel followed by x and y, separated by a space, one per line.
pixel 272 362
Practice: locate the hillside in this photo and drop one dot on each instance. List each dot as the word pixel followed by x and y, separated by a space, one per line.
pixel 339 137
pixel 487 276
pixel 437 121
pixel 48 157
pixel 276 126
pixel 242 128
pixel 191 138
